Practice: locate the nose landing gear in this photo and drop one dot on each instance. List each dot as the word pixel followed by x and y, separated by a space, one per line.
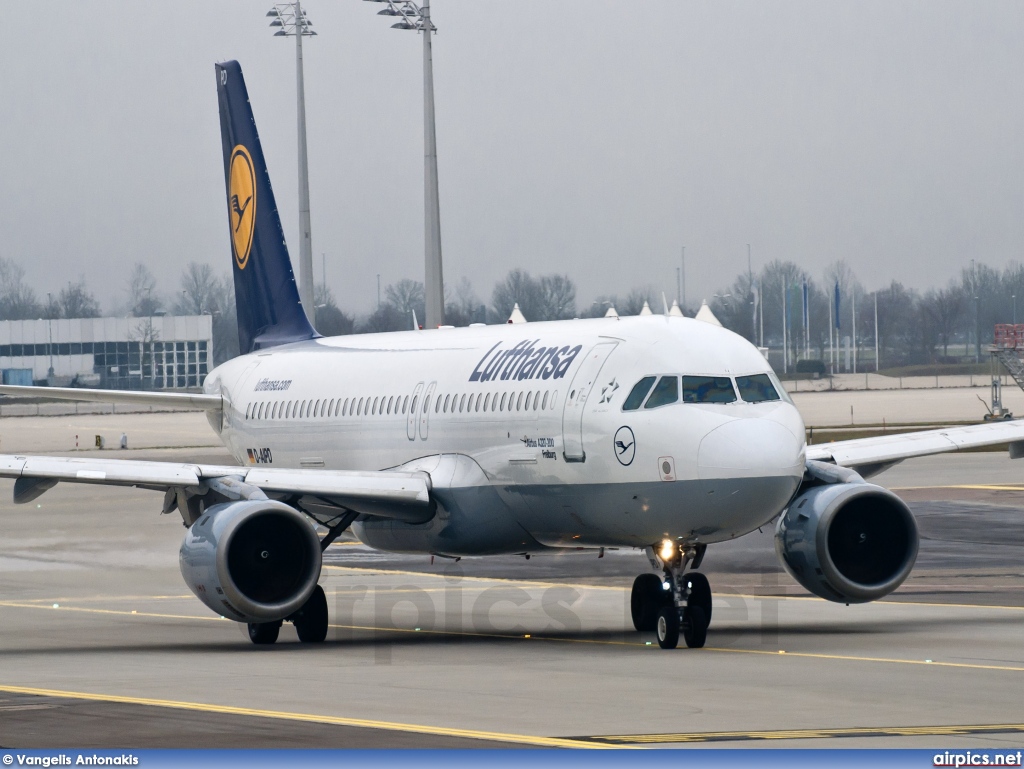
pixel 677 603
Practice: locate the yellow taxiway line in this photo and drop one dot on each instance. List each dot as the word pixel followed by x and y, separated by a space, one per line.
pixel 363 723
pixel 806 734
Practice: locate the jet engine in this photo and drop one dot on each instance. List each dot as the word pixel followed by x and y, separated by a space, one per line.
pixel 848 542
pixel 251 560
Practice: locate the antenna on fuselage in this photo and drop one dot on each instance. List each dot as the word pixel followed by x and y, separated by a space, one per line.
pixel 664 302
pixel 415 324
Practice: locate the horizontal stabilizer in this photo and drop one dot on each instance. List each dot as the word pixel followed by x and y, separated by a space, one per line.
pixel 128 397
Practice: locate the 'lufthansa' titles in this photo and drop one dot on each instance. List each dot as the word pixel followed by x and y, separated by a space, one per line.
pixel 272 384
pixel 525 361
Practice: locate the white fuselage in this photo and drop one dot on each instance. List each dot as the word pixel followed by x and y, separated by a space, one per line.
pixel 523 431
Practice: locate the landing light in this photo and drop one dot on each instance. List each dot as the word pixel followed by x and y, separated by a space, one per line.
pixel 667 550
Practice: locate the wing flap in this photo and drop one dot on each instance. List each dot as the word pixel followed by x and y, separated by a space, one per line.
pixel 390 494
pixel 894 448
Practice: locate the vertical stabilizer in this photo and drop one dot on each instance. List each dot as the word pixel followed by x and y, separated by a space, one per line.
pixel 266 296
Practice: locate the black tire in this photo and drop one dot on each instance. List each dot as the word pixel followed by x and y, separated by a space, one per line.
pixel 264 632
pixel 700 592
pixel 311 620
pixel 647 598
pixel 695 627
pixel 668 627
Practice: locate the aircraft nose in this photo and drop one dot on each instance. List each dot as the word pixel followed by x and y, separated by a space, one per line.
pixel 750 448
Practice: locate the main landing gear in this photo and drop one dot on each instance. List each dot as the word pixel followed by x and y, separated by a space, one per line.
pixel 676 603
pixel 310 622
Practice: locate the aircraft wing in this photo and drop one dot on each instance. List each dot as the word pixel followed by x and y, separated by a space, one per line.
pixel 389 494
pixel 134 397
pixel 877 453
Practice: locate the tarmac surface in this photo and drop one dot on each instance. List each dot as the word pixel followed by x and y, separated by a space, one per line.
pixel 101 644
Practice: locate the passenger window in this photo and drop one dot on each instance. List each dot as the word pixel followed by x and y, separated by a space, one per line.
pixel 529 397
pixel 405 403
pixel 359 408
pixel 487 401
pixel 554 397
pixel 638 393
pixel 426 404
pixel 446 409
pixel 391 403
pixel 544 405
pixel 462 402
pixel 261 411
pixel 664 393
pixel 247 408
pixel 708 389
pixel 503 397
pixel 414 399
pixel 519 402
pixel 757 388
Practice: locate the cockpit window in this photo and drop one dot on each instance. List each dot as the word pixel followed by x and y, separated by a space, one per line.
pixel 757 388
pixel 638 393
pixel 708 389
pixel 664 393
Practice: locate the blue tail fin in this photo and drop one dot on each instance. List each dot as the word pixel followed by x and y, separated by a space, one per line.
pixel 266 296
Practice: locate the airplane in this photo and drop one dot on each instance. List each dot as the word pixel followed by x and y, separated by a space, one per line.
pixel 660 433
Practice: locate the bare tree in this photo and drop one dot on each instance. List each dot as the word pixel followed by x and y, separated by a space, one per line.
pixel 945 309
pixel 634 301
pixel 225 320
pixel 330 320
pixel 76 301
pixel 517 288
pixel 558 297
pixel 17 300
pixel 141 290
pixel 405 296
pixel 462 306
pixel 199 291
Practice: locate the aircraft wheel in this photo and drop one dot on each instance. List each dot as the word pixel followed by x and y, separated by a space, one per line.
pixel 311 621
pixel 668 627
pixel 647 598
pixel 695 627
pixel 700 593
pixel 264 632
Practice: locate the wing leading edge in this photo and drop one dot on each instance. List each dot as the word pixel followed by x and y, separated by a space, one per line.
pixel 386 494
pixel 872 455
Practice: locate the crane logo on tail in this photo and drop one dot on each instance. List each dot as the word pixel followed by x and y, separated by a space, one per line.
pixel 241 204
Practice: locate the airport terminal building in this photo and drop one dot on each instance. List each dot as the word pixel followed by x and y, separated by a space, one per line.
pixel 159 353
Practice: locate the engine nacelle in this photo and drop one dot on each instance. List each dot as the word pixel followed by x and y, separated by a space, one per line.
pixel 251 561
pixel 848 542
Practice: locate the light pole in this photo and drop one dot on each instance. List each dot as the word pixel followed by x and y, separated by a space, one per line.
pixel 293 23
pixel 413 16
pixel 49 326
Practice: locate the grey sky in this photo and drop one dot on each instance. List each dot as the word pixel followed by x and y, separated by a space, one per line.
pixel 588 138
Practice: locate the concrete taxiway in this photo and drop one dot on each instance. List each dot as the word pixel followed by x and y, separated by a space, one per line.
pixel 102 645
